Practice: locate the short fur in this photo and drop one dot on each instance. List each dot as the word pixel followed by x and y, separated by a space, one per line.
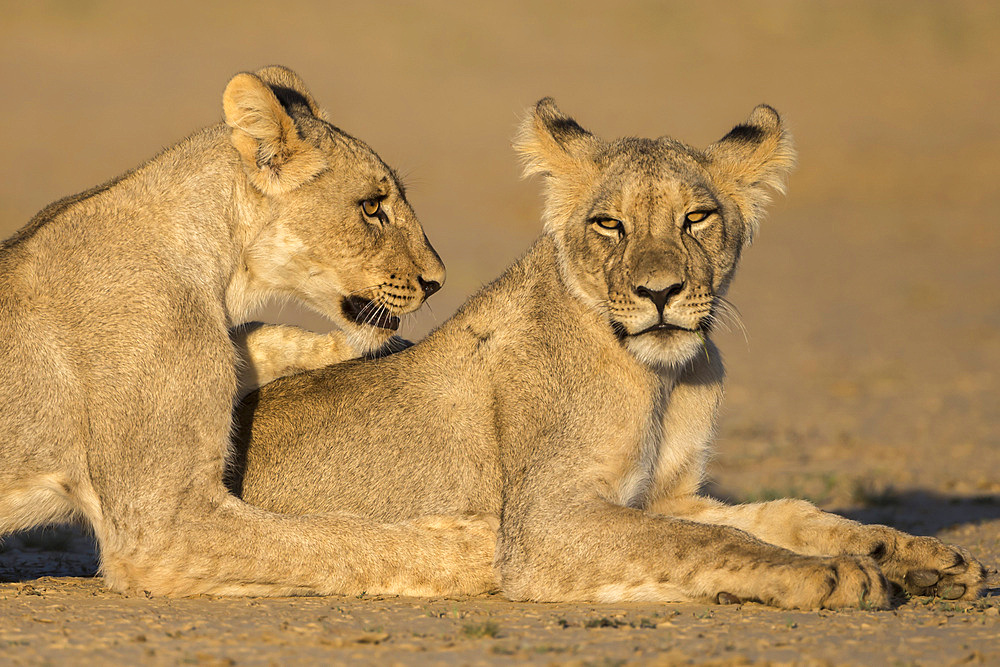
pixel 575 397
pixel 117 372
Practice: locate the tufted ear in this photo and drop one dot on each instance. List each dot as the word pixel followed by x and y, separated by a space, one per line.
pixel 290 90
pixel 554 145
pixel 277 159
pixel 752 160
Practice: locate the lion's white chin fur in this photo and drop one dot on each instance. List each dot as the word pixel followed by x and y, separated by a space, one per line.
pixel 674 350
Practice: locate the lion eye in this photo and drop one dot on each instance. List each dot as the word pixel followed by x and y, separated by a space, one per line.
pixel 371 207
pixel 697 216
pixel 609 224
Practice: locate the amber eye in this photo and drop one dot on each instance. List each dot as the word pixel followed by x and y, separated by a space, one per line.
pixel 609 224
pixel 697 216
pixel 371 207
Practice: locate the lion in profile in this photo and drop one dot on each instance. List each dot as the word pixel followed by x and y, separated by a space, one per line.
pixel 118 373
pixel 574 399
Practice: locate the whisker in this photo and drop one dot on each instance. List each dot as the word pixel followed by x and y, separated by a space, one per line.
pixel 433 314
pixel 396 344
pixel 406 322
pixel 714 323
pixel 604 308
pixel 371 307
pixel 730 313
pixel 363 314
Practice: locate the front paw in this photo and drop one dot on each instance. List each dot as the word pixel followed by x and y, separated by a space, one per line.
pixel 829 583
pixel 928 566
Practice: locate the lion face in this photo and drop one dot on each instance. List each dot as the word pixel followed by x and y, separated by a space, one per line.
pixel 653 248
pixel 340 235
pixel 650 231
pixel 348 244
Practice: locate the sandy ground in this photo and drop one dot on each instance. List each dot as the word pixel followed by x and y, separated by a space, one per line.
pixel 71 620
pixel 870 375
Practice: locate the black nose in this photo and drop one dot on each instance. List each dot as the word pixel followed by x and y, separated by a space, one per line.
pixel 429 286
pixel 660 298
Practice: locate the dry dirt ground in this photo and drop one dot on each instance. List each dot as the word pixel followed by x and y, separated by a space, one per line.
pixel 870 375
pixel 71 619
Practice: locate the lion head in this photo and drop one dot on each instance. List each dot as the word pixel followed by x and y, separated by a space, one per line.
pixel 338 233
pixel 650 231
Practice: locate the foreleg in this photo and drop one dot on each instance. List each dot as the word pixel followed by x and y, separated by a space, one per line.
pixel 920 565
pixel 267 352
pixel 598 551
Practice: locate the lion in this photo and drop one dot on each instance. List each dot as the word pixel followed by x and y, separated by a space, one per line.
pixel 575 397
pixel 118 374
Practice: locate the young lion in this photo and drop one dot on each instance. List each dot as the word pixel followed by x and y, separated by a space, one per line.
pixel 117 373
pixel 575 399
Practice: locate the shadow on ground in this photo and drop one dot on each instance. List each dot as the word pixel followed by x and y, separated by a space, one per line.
pixel 912 510
pixel 926 512
pixel 53 551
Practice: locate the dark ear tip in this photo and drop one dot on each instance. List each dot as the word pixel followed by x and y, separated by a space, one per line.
pixel 280 70
pixel 765 117
pixel 547 107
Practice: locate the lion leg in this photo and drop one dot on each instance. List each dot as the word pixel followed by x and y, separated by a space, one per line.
pixel 222 546
pixel 609 553
pixel 165 523
pixel 920 565
pixel 267 352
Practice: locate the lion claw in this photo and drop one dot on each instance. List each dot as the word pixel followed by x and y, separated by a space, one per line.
pixel 921 578
pixel 951 592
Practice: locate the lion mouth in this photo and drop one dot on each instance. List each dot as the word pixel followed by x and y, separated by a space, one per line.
pixel 365 311
pixel 663 327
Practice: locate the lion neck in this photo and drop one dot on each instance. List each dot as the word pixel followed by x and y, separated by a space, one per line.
pixel 214 216
pixel 185 212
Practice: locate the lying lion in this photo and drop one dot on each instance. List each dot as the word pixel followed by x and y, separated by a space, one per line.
pixel 118 375
pixel 575 397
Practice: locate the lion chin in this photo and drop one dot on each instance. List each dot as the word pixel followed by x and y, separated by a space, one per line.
pixel 665 349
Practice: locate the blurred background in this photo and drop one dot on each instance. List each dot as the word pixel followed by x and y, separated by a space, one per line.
pixel 871 298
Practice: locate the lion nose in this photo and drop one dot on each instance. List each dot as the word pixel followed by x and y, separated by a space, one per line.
pixel 660 298
pixel 429 286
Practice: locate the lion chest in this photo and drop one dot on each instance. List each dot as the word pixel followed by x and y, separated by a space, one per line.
pixel 623 431
pixel 636 460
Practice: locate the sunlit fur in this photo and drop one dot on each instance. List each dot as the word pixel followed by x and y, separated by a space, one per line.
pixel 650 185
pixel 118 375
pixel 321 247
pixel 543 403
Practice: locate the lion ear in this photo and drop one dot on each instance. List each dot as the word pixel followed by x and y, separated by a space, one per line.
pixel 552 143
pixel 753 160
pixel 290 90
pixel 277 159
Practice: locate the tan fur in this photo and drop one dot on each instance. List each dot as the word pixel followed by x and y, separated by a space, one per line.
pixel 267 352
pixel 550 402
pixel 118 375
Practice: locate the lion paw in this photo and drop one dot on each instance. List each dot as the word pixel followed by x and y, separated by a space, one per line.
pixel 834 583
pixel 928 566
